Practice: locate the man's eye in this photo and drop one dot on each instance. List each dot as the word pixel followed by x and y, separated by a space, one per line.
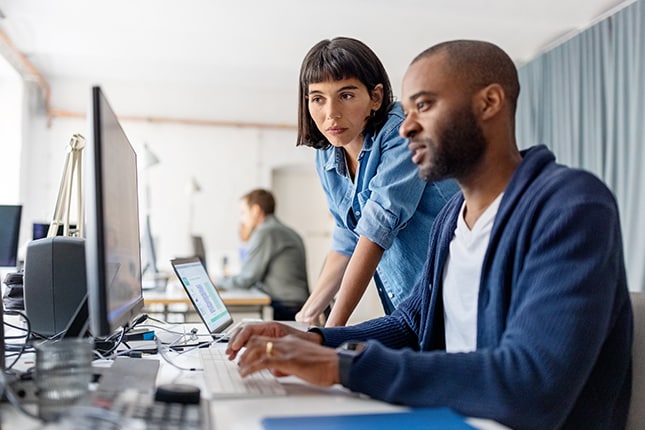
pixel 423 105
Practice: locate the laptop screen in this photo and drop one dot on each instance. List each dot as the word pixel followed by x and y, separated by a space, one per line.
pixel 201 291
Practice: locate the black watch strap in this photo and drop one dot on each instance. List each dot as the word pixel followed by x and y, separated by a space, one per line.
pixel 348 352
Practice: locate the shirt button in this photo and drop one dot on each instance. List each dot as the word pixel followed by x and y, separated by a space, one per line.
pixel 358 213
pixel 390 295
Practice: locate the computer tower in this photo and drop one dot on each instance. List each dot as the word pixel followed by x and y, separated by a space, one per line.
pixel 55 282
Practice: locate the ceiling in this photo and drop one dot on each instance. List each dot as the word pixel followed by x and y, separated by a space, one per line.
pixel 247 53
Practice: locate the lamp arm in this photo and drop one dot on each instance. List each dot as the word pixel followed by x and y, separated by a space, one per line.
pixel 72 168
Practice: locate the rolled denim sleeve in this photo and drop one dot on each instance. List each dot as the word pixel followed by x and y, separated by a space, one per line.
pixel 343 240
pixel 394 192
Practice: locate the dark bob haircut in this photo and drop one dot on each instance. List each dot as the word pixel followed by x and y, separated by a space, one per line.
pixel 336 59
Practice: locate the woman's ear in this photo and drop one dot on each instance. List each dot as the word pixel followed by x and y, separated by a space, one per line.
pixel 377 96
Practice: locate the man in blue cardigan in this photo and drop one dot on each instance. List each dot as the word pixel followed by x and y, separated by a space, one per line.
pixel 523 315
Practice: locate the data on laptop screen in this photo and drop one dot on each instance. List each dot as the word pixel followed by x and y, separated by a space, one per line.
pixel 201 291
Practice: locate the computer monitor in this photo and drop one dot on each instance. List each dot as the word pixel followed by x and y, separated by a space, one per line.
pixel 198 248
pixel 39 230
pixel 9 233
pixel 112 249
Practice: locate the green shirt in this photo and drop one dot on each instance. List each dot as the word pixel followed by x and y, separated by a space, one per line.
pixel 276 263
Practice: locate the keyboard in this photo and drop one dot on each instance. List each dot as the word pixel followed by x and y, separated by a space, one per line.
pixel 139 373
pixel 136 409
pixel 126 398
pixel 223 378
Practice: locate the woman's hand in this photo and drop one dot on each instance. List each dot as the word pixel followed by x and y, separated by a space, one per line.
pixel 314 320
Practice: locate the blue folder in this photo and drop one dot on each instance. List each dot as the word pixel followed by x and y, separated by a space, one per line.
pixel 414 419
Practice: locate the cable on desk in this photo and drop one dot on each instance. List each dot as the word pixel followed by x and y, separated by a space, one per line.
pixel 163 349
pixel 11 396
pixel 25 346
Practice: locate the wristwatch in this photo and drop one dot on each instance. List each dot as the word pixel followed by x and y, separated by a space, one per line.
pixel 348 352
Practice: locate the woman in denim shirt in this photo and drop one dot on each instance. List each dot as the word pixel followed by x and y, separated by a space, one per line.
pixel 382 210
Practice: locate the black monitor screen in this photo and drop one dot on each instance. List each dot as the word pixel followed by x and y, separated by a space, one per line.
pixel 40 230
pixel 9 233
pixel 113 260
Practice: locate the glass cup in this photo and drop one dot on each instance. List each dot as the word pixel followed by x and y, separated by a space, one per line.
pixel 63 374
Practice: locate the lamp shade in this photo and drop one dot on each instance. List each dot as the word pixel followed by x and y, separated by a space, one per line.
pixel 195 186
pixel 149 157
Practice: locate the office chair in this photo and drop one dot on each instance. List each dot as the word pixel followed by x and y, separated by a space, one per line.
pixel 636 416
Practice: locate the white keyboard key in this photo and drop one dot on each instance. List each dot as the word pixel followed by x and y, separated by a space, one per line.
pixel 223 378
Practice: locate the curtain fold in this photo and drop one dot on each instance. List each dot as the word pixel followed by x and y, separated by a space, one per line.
pixel 585 99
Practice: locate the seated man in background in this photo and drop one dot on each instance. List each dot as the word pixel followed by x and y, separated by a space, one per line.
pixel 522 314
pixel 275 257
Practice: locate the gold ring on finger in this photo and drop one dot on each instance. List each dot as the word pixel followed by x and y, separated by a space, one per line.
pixel 269 348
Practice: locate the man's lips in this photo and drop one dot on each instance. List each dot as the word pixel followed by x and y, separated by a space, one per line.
pixel 418 151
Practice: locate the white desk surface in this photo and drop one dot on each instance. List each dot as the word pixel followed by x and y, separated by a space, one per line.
pixel 246 414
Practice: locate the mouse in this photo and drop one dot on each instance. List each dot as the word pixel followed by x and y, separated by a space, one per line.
pixel 178 393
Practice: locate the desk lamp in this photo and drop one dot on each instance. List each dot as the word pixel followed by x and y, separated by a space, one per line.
pixel 159 280
pixel 72 171
pixel 193 188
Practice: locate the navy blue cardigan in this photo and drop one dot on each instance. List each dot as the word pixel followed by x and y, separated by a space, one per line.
pixel 554 326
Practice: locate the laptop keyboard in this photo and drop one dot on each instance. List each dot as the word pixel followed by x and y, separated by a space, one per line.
pixel 223 378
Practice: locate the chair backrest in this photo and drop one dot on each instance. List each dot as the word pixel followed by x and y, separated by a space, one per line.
pixel 636 417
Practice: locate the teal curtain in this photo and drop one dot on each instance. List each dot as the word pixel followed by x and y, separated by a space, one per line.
pixel 585 99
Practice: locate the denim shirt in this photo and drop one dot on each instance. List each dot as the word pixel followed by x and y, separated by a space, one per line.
pixel 387 203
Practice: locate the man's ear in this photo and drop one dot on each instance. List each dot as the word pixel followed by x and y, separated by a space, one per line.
pixel 489 101
pixel 256 211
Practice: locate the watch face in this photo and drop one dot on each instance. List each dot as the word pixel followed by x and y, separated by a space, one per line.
pixel 355 347
pixel 347 354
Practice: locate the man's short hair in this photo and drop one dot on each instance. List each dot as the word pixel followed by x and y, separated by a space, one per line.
pixel 262 198
pixel 480 64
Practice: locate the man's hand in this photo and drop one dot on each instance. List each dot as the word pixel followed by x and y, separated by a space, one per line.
pixel 291 355
pixel 245 332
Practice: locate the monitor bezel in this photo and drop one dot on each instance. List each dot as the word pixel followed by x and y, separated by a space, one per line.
pixel 15 213
pixel 95 244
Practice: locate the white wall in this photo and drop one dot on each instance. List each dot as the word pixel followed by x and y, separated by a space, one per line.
pixel 11 107
pixel 225 161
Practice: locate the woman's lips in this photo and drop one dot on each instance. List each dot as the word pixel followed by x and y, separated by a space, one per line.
pixel 336 130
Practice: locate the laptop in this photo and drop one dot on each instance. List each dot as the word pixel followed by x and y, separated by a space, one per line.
pixel 202 293
pixel 221 375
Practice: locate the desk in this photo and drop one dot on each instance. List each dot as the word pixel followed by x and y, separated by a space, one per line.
pixel 247 414
pixel 235 300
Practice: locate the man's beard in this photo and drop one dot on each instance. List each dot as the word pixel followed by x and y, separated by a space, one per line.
pixel 460 147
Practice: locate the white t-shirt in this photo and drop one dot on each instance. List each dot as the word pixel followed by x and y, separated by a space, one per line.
pixel 461 277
